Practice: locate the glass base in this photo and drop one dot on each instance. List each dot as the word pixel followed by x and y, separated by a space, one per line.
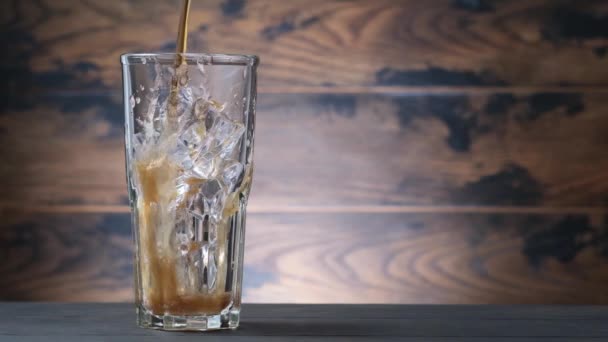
pixel 226 320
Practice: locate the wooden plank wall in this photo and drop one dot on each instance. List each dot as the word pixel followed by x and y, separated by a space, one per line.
pixel 448 151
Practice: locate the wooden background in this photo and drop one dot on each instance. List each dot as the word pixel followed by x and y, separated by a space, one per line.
pixel 407 151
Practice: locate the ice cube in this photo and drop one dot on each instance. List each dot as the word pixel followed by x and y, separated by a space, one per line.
pixel 212 238
pixel 185 101
pixel 187 145
pixel 226 134
pixel 196 210
pixel 212 110
pixel 213 197
pixel 211 267
pixel 201 107
pixel 204 165
pixel 204 270
pixel 184 188
pixel 179 152
pixel 143 143
pixel 139 141
pixel 193 135
pixel 184 232
pixel 208 199
pixel 201 227
pixel 232 175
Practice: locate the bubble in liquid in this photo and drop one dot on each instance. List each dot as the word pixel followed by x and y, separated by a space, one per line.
pixel 200 67
pixel 132 102
pixel 183 80
pixel 183 250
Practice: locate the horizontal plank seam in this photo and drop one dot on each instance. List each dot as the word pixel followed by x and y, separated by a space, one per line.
pixel 440 209
pixel 404 338
pixel 396 90
pixel 388 90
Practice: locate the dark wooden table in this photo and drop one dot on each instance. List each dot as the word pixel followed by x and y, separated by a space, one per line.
pixel 115 322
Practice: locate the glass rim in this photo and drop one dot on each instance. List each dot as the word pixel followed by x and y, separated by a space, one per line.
pixel 204 58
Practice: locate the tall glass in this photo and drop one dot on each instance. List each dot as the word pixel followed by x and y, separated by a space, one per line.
pixel 189 129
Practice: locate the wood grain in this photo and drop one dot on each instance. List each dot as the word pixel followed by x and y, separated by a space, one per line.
pixel 69 44
pixel 333 258
pixel 337 150
pixel 69 257
pixel 452 152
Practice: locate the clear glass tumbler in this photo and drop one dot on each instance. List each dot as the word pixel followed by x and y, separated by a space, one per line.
pixel 189 131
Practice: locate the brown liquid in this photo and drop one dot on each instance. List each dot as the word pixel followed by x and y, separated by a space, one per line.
pixel 181 76
pixel 160 289
pixel 161 293
pixel 182 35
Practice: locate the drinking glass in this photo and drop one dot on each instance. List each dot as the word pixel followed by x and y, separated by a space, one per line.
pixel 189 132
